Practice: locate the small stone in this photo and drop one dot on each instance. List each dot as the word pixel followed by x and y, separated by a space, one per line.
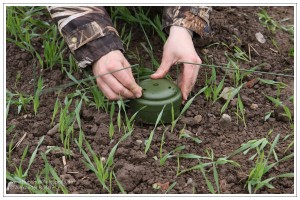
pixel 251 83
pixel 205 51
pixel 225 120
pixel 189 181
pixel 9 185
pixel 53 130
pixel 198 118
pixel 260 37
pixel 227 93
pixel 139 141
pixel 159 128
pixel 254 106
pixel 188 121
pixel 103 159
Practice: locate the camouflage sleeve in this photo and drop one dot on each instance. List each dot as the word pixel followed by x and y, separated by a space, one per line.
pixel 194 18
pixel 88 31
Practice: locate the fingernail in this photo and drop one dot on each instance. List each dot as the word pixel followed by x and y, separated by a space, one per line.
pixel 138 95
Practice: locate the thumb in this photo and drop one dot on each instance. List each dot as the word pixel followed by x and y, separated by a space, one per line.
pixel 163 69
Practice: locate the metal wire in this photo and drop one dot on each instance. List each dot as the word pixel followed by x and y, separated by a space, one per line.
pixel 246 70
pixel 61 87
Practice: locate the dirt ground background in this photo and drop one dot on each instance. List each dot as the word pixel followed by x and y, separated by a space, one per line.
pixel 137 171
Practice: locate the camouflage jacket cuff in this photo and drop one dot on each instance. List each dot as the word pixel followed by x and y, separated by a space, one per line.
pixel 94 50
pixel 193 18
pixel 87 30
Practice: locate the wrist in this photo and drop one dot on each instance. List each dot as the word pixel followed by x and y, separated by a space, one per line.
pixel 175 30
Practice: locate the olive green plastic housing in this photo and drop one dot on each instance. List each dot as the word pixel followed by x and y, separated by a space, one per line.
pixel 156 94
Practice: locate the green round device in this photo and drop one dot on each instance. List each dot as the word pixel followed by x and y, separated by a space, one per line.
pixel 156 94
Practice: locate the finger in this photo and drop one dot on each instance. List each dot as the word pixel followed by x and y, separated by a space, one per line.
pixel 189 77
pixel 107 91
pixel 125 77
pixel 179 79
pixel 117 87
pixel 163 68
pixel 127 64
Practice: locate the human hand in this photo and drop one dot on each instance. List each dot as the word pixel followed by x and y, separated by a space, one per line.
pixel 179 47
pixel 118 84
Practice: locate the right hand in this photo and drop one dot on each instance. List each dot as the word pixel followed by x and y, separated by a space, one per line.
pixel 179 47
pixel 119 84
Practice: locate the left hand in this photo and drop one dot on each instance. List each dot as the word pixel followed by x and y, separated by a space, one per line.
pixel 179 47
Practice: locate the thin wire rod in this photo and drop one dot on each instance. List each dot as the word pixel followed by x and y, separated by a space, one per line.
pixel 246 70
pixel 60 87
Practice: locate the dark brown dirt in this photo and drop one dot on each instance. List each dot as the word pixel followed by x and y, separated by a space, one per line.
pixel 137 171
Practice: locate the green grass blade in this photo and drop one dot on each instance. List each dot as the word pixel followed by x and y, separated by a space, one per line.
pixel 216 177
pixel 54 175
pixel 119 184
pixel 217 91
pixel 208 183
pixel 192 156
pixel 189 102
pixel 56 107
pixel 77 113
pixel 110 159
pixel 152 132
pixel 277 102
pixel 222 161
pixel 286 175
pixel 232 94
pixel 170 187
pixel 273 145
pixel 85 155
pixel 34 155
pixel 287 157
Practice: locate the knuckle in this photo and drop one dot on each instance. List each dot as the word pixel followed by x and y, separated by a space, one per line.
pixel 130 85
pixel 121 91
pixel 111 65
pixel 195 59
pixel 112 97
pixel 163 70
